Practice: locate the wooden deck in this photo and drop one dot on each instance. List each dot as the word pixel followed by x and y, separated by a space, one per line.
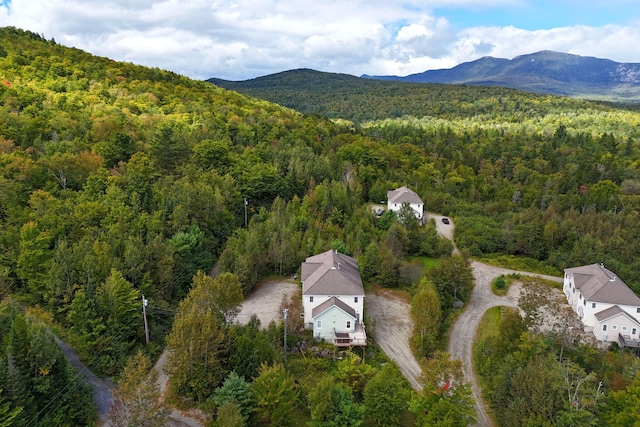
pixel 350 339
pixel 627 341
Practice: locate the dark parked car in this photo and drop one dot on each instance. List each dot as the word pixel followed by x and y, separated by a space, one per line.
pixel 445 220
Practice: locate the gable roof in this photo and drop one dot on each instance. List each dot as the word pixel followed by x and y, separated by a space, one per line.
pixel 598 284
pixel 613 312
pixel 331 273
pixel 403 195
pixel 331 302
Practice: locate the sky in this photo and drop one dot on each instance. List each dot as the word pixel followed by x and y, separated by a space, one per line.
pixel 243 39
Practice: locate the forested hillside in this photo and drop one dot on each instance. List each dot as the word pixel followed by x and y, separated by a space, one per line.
pixel 360 99
pixel 118 181
pixel 547 177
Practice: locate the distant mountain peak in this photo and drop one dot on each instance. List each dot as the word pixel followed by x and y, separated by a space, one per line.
pixel 546 71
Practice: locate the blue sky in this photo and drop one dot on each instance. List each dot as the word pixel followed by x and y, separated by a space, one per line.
pixel 241 39
pixel 543 14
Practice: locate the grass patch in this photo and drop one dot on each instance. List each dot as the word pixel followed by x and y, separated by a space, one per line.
pixel 489 324
pixel 488 328
pixel 427 262
pixel 500 285
pixel 520 263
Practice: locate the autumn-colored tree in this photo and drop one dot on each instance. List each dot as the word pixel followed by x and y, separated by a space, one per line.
pixel 137 399
pixel 445 399
pixel 617 410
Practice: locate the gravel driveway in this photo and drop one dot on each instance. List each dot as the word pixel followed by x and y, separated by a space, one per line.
pixel 265 301
pixel 464 330
pixel 393 328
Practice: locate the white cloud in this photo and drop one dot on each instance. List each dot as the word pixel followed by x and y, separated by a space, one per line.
pixel 239 39
pixel 614 42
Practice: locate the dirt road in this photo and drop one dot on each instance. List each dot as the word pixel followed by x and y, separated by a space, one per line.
pixel 101 389
pixel 464 330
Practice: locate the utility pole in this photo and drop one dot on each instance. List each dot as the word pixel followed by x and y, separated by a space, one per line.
pixel 285 312
pixel 245 212
pixel 144 314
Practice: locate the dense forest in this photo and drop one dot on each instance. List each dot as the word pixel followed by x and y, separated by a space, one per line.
pixel 343 96
pixel 120 183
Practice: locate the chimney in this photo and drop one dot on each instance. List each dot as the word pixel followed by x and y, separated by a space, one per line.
pixel 338 266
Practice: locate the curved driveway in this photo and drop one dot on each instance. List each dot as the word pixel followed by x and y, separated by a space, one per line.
pixel 463 332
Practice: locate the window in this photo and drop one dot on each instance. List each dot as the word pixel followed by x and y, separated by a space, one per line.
pixel 634 331
pixel 355 299
pixel 348 324
pixel 604 327
pixel 318 324
pixel 593 305
pixel 638 310
pixel 310 299
pixel 585 302
pixel 624 329
pixel 615 327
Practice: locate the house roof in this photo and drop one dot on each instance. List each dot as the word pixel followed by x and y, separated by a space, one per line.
pixel 598 284
pixel 331 273
pixel 331 302
pixel 613 312
pixel 403 195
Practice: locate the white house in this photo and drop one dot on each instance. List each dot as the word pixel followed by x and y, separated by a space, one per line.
pixel 333 298
pixel 396 198
pixel 605 304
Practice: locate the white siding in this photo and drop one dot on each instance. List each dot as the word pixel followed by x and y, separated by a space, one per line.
pixel 308 305
pixel 618 322
pixel 418 208
pixel 585 309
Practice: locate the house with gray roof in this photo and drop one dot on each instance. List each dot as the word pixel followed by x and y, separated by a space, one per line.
pixel 333 298
pixel 606 306
pixel 396 198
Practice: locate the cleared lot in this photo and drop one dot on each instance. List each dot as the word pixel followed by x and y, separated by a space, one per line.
pixel 265 301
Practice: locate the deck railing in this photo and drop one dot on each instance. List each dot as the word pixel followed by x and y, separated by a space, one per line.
pixel 627 341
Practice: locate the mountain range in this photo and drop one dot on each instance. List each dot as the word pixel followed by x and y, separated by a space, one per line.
pixel 546 72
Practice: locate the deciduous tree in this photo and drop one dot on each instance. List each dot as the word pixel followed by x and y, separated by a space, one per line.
pixel 137 396
pixel 427 317
pixel 275 394
pixel 386 396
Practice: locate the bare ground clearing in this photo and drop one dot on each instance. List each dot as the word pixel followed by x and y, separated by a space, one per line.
pixel 393 328
pixel 265 301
